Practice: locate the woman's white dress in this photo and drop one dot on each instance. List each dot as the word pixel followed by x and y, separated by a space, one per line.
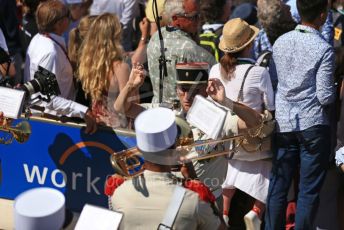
pixel 249 172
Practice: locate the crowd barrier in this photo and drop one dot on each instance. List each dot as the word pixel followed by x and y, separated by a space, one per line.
pixel 61 156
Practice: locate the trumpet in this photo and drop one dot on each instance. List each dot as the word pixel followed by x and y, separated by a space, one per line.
pixel 129 163
pixel 20 132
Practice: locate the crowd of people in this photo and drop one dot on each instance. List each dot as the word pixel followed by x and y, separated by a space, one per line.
pixel 274 66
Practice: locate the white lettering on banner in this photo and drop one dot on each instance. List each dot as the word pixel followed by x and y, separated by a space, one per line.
pixel 35 173
pixel 74 177
pixel 91 183
pixel 40 174
pixel 53 178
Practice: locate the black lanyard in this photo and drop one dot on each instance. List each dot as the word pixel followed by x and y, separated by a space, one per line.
pixel 244 62
pixel 303 31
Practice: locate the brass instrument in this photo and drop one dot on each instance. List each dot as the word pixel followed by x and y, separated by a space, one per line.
pixel 228 145
pixel 128 163
pixel 20 132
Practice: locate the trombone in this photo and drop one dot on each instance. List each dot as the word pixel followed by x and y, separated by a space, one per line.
pixel 129 162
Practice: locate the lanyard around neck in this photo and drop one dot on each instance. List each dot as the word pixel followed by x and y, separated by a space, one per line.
pixel 307 31
pixel 57 43
pixel 303 31
pixel 244 62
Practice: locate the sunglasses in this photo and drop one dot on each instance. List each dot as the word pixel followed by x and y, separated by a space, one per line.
pixel 191 90
pixel 192 16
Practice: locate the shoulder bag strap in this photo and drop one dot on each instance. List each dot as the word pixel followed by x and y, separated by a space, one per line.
pixel 241 92
pixel 173 208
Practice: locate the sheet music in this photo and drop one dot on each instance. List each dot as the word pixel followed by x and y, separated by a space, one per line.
pixel 206 116
pixel 93 217
pixel 11 102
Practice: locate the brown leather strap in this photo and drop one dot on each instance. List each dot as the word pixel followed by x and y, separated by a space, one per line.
pixel 241 92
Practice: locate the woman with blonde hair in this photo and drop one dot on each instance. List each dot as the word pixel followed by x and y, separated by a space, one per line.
pixel 102 70
pixel 250 85
pixel 76 37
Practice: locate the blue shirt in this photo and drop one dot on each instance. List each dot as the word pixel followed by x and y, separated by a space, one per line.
pixel 305 64
pixel 262 43
pixel 340 156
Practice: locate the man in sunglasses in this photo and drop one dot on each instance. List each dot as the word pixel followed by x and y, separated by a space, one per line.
pixel 48 48
pixel 179 36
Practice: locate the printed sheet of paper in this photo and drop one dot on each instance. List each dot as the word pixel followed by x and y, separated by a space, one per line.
pixel 93 217
pixel 206 116
pixel 11 102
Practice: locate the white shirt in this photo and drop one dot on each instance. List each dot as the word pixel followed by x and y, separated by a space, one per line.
pixel 3 41
pixel 257 88
pixel 64 107
pixel 45 52
pixel 124 9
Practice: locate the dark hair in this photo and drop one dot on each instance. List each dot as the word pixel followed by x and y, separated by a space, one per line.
pixel 309 10
pixel 228 63
pixel 211 10
pixel 31 5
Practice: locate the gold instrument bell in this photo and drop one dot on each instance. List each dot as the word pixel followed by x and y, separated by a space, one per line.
pixel 20 132
pixel 129 162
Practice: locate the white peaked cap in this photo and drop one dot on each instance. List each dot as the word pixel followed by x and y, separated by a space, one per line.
pixel 39 208
pixel 156 130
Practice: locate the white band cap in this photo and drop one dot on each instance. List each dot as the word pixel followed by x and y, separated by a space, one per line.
pixel 156 130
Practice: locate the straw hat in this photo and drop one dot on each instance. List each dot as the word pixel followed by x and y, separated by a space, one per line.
pixel 149 10
pixel 236 35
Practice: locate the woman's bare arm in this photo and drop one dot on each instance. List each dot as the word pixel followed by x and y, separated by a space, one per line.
pixel 249 118
pixel 126 102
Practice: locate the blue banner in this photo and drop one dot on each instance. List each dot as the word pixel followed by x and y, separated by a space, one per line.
pixel 62 156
